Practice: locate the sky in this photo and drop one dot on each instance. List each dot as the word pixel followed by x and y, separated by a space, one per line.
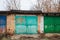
pixel 20 4
pixel 27 4
pixel 6 5
pixel 3 5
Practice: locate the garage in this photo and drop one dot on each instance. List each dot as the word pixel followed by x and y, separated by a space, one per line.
pixel 51 24
pixel 2 23
pixel 26 24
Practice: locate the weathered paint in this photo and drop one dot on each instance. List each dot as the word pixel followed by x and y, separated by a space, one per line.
pixel 27 26
pixel 52 24
pixel 41 24
pixel 2 23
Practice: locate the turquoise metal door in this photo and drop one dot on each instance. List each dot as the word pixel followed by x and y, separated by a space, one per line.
pixel 20 29
pixel 20 24
pixel 31 22
pixel 26 24
pixel 32 29
pixel 20 20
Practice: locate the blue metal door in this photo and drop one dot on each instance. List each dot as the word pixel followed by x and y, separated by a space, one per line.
pixel 2 23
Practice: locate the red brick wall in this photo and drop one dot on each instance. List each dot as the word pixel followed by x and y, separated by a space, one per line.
pixel 10 24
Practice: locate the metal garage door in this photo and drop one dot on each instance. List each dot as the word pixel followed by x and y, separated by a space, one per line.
pixel 52 24
pixel 2 24
pixel 26 24
pixel 57 24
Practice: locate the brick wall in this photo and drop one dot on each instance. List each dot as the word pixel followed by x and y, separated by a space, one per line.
pixel 10 24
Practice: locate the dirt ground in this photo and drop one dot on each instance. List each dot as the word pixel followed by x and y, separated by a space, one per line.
pixel 30 37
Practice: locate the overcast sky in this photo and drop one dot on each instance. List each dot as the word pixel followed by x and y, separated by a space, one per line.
pixel 20 4
pixel 3 4
pixel 27 4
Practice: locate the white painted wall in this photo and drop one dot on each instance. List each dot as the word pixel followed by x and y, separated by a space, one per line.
pixel 41 24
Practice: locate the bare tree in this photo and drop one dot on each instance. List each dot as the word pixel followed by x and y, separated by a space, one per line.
pixel 59 7
pixel 9 3
pixel 47 5
pixel 4 5
pixel 43 5
pixel 16 4
pixel 13 4
pixel 37 6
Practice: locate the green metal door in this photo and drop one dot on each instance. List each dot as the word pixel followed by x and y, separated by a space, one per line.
pixel 26 24
pixel 48 24
pixel 48 20
pixel 57 19
pixel 57 24
pixel 57 28
pixel 52 24
pixel 48 28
